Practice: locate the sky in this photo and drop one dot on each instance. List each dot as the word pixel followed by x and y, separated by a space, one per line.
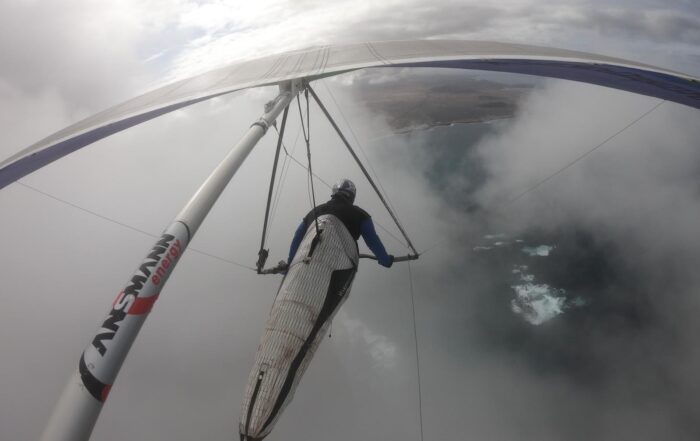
pixel 621 224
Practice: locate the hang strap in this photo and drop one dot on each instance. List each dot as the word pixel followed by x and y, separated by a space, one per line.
pixel 307 138
pixel 263 253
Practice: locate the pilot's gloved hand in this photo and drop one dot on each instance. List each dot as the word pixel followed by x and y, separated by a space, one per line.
pixel 388 262
pixel 283 266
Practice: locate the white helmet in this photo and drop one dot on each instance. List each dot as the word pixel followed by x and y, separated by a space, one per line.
pixel 345 188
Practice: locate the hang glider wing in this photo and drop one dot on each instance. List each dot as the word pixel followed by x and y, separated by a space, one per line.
pixel 326 61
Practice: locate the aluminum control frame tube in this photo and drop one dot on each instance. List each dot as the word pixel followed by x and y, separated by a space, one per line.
pixel 77 410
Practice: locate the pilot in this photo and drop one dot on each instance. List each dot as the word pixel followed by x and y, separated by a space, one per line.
pixel 356 220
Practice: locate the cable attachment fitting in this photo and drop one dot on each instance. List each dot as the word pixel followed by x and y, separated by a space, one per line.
pixel 262 258
pixel 281 268
pixel 262 123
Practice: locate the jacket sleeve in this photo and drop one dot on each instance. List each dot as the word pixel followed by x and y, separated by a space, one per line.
pixel 374 243
pixel 296 241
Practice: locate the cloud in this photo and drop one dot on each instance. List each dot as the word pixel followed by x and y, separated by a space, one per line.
pixel 656 25
pixel 623 220
pixel 75 52
pixel 234 35
pixel 382 350
pixel 138 178
pixel 625 368
pixel 19 128
pixel 622 226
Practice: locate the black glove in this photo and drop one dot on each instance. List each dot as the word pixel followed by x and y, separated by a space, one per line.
pixel 389 263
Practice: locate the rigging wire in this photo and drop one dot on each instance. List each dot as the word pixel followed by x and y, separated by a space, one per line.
pixel 580 157
pixel 309 185
pixel 506 205
pixel 284 173
pixel 125 225
pixel 307 138
pixel 362 167
pixel 359 144
pixel 570 164
pixel 289 158
pixel 330 187
pixel 278 191
pixel 263 253
pixel 280 183
pixel 415 339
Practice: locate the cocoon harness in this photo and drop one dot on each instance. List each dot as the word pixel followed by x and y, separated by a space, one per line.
pixel 316 285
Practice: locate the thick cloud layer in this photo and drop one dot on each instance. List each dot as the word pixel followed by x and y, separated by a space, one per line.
pixel 654 32
pixel 620 367
pixel 623 225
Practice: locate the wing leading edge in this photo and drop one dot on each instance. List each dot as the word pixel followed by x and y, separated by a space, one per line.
pixel 333 60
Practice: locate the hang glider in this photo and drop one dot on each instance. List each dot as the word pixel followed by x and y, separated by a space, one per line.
pixel 82 400
pixel 320 62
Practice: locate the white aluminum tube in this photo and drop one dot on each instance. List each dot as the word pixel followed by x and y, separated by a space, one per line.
pixel 79 407
pixel 197 208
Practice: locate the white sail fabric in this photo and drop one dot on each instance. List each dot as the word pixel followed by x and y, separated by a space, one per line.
pixel 320 62
pixel 316 285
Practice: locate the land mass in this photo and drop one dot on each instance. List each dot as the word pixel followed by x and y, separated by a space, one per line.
pixel 416 103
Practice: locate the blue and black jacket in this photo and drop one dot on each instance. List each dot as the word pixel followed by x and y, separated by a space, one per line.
pixel 356 220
